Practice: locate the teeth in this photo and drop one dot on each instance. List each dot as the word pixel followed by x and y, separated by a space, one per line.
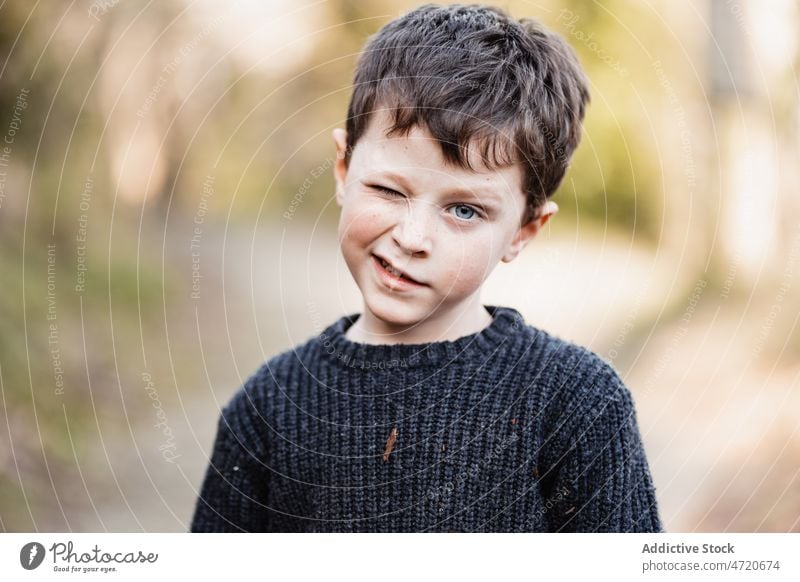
pixel 391 269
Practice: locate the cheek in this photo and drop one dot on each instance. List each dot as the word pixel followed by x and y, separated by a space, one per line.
pixel 361 224
pixel 469 262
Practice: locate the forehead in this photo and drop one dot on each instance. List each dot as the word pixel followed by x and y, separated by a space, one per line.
pixel 418 156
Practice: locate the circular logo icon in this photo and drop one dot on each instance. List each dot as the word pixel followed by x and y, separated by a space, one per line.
pixel 31 555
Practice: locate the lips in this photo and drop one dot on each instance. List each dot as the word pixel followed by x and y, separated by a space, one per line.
pixel 405 276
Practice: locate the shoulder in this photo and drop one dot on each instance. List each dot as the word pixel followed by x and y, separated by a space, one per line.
pixel 583 390
pixel 275 376
pixel 578 388
pixel 557 364
pixel 573 371
pixel 249 403
pixel 250 411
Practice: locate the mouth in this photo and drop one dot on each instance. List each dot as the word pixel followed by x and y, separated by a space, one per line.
pixel 395 275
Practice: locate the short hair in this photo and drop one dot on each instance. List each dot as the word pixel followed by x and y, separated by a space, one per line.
pixel 471 74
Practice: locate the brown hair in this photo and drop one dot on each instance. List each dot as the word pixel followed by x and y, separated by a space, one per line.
pixel 472 74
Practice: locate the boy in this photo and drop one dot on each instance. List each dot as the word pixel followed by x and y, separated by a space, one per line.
pixel 430 411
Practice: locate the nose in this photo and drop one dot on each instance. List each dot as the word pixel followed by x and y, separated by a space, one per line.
pixel 412 231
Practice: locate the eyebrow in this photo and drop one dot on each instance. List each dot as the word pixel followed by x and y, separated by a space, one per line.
pixel 484 195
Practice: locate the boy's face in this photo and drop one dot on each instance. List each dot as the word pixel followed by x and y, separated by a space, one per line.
pixel 446 227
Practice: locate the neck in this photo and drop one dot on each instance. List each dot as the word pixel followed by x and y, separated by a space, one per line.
pixel 442 326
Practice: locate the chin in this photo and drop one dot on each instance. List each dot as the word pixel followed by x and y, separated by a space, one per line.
pixel 398 312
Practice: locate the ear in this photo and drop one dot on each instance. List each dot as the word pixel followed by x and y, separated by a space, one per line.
pixel 339 167
pixel 529 230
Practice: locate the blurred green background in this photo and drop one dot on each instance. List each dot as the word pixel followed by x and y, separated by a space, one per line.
pixel 167 223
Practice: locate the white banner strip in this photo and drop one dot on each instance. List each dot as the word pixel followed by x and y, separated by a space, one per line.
pixel 397 557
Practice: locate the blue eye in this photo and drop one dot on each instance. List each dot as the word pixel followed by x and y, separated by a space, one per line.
pixel 471 212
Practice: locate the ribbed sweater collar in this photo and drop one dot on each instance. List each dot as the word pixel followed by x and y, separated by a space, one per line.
pixel 506 322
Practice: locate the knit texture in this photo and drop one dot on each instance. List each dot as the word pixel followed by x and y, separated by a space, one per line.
pixel 506 430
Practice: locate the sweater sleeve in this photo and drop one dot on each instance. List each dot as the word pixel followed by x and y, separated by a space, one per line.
pixel 233 493
pixel 601 481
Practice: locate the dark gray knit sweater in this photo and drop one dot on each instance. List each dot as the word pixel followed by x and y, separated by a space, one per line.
pixel 506 430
